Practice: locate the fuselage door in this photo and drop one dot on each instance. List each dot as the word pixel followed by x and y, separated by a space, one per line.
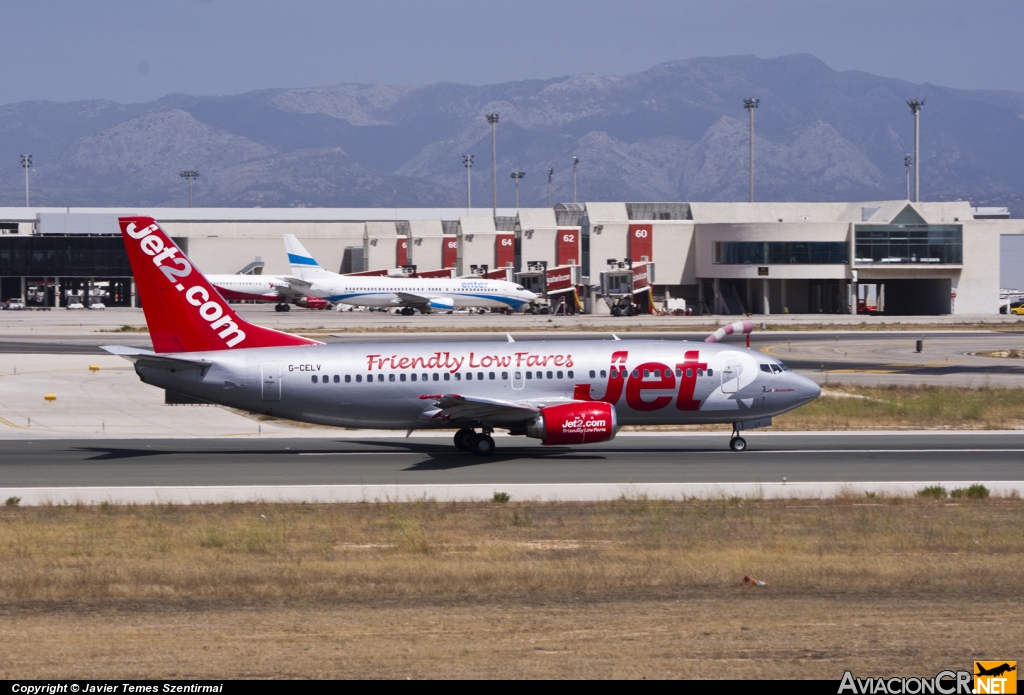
pixel 271 381
pixel 730 374
pixel 518 381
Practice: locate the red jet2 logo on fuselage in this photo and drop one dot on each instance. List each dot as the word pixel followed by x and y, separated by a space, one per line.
pixel 178 269
pixel 634 383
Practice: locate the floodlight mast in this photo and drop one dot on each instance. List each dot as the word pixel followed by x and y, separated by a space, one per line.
pixel 915 106
pixel 575 163
pixel 908 161
pixel 517 175
pixel 190 175
pixel 551 173
pixel 26 164
pixel 467 161
pixel 750 105
pixel 492 118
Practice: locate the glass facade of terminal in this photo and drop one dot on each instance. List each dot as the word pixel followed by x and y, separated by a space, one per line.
pixel 63 256
pixel 781 252
pixel 903 244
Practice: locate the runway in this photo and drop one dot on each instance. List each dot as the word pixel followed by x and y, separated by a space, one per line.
pixel 645 459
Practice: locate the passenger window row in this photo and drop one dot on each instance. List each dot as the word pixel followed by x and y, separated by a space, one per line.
pixel 650 374
pixel 550 375
pixel 435 376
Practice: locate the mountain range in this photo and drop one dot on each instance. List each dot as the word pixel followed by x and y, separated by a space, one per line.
pixel 677 131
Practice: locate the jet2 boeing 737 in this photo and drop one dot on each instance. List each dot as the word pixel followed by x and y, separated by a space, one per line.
pixel 561 392
pixel 409 293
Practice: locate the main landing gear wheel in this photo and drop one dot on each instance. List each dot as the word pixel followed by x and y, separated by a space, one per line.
pixel 482 445
pixel 408 311
pixel 463 439
pixel 738 444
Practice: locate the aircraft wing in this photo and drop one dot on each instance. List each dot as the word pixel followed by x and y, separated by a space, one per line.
pixel 292 289
pixel 298 285
pixel 419 300
pixel 148 358
pixel 453 407
pixel 414 299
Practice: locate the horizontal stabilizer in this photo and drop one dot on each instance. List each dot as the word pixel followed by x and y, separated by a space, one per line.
pixel 151 359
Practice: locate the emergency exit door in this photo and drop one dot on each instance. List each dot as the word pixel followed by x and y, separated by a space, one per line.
pixel 730 374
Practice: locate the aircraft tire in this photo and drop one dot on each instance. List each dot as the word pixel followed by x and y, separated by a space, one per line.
pixel 738 444
pixel 463 438
pixel 482 445
pixel 286 307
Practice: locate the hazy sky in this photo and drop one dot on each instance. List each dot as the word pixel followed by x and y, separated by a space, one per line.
pixel 138 50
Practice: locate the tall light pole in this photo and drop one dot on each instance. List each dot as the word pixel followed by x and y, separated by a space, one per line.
pixel 191 175
pixel 575 163
pixel 517 175
pixel 750 105
pixel 907 162
pixel 492 118
pixel 915 106
pixel 467 161
pixel 551 172
pixel 26 164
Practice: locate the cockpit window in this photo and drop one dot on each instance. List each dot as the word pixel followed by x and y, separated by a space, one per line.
pixel 777 369
pixel 520 288
pixel 766 369
pixel 783 366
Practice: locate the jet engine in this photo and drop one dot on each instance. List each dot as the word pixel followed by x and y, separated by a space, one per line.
pixel 312 303
pixel 575 423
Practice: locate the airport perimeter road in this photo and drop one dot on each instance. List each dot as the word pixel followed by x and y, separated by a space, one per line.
pixel 699 458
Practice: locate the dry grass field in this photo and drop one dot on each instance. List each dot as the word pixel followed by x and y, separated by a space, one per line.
pixel 848 407
pixel 912 407
pixel 632 588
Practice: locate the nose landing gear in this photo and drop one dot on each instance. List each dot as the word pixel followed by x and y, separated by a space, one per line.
pixel 737 443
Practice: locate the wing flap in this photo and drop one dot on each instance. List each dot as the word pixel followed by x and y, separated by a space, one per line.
pixel 453 407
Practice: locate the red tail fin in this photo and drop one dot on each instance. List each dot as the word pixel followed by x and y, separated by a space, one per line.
pixel 184 312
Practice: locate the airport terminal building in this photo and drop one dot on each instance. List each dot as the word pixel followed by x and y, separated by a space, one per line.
pixel 886 257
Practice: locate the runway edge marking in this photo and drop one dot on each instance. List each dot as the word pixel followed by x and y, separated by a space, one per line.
pixel 556 492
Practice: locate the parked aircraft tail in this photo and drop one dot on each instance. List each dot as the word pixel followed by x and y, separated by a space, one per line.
pixel 184 311
pixel 304 266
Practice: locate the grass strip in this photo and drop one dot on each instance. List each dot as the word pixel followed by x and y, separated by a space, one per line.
pixel 427 549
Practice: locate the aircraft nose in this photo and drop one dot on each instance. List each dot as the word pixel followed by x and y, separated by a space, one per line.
pixel 806 389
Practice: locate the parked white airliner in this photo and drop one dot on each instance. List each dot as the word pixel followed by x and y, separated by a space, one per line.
pixel 561 392
pixel 264 288
pixel 424 294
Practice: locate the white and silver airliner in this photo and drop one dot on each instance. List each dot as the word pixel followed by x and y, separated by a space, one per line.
pixel 561 392
pixel 265 288
pixel 410 294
